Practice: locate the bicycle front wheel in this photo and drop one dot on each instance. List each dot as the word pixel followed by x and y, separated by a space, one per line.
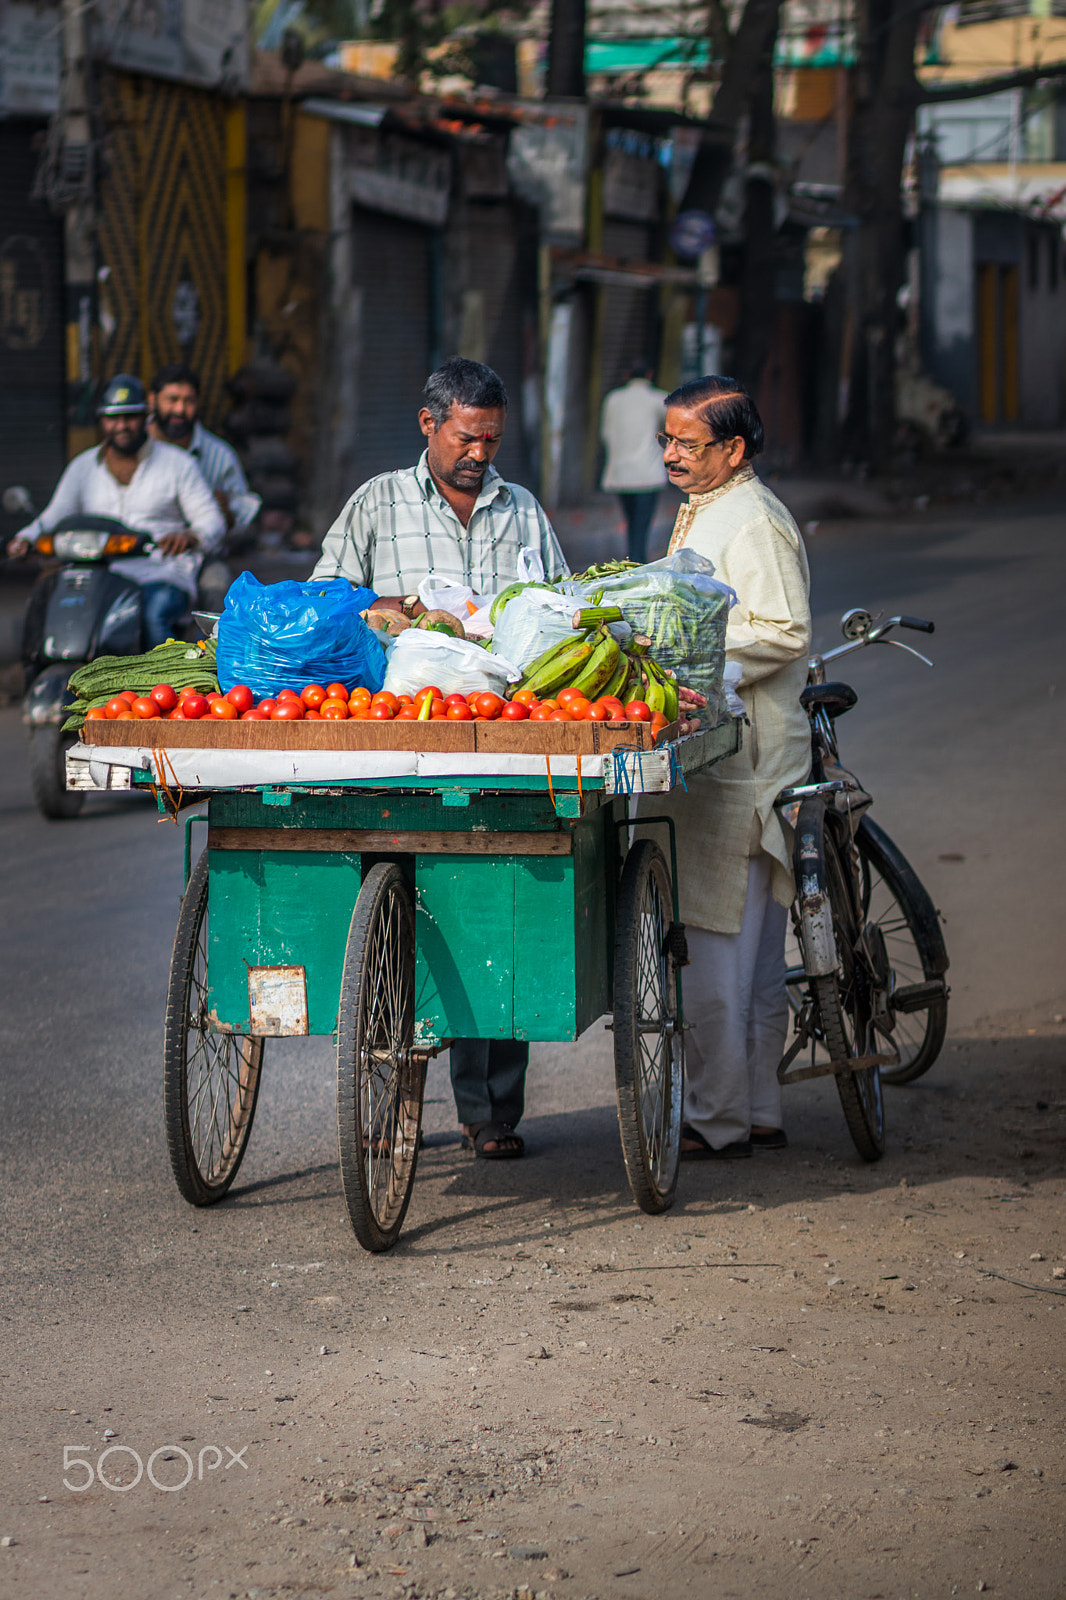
pixel 894 900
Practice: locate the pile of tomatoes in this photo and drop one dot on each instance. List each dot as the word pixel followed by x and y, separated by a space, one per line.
pixel 334 703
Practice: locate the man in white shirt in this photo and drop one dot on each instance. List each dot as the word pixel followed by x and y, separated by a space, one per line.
pixel 631 417
pixel 149 487
pixel 174 403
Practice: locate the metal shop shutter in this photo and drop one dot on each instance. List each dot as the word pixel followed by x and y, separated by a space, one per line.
pixel 32 391
pixel 391 273
pixel 504 275
pixel 628 313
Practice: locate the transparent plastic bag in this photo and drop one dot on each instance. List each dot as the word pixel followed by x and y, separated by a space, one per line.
pixel 683 609
pixel 277 636
pixel 419 658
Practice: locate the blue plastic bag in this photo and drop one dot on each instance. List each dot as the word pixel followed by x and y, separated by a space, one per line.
pixel 277 636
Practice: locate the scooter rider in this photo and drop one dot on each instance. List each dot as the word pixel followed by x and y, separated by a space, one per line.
pixel 152 488
pixel 174 403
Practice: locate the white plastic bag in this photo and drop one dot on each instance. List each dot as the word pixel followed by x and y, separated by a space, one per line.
pixel 420 657
pixel 532 622
pixel 436 595
pixel 530 566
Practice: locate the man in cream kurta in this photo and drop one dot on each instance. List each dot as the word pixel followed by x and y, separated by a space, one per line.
pixel 734 866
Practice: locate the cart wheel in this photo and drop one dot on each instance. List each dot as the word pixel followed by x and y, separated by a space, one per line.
pixel 379 1078
pixel 649 1047
pixel 211 1080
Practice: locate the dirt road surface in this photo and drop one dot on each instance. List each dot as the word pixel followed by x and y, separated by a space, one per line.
pixel 804 1380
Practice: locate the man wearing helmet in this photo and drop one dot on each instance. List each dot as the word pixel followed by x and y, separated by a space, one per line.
pixel 149 486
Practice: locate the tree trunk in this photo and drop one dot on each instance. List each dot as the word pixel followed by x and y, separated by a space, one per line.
pixel 884 98
pixel 714 160
pixel 566 50
pixel 758 300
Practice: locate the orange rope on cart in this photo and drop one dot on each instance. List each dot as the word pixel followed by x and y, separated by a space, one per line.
pixel 551 791
pixel 174 806
pixel 580 791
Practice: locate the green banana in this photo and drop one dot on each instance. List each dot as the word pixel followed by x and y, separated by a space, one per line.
pixel 672 706
pixel 546 656
pixel 560 669
pixel 617 681
pixel 592 616
pixel 599 669
pixel 654 696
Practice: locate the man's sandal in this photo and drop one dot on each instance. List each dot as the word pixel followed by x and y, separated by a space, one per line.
pixel 511 1145
pixel 706 1152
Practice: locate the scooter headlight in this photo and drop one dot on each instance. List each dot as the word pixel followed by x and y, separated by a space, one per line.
pixel 86 545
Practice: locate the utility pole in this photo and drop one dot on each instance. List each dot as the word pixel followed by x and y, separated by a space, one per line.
pixel 566 50
pixel 73 178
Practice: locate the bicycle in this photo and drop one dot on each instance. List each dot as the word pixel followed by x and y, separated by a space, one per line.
pixel 866 967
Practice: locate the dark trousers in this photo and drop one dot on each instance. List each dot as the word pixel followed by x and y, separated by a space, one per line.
pixel 639 509
pixel 489 1080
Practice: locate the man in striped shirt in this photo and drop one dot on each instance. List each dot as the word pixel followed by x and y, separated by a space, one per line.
pixel 453 516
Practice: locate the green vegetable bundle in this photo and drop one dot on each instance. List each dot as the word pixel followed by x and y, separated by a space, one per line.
pixel 174 662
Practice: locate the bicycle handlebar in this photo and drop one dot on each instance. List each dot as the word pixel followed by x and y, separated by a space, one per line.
pixel 878 635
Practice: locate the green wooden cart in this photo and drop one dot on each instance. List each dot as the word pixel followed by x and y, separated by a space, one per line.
pixel 397 913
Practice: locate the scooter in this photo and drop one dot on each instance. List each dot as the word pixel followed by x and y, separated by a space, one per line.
pixel 78 609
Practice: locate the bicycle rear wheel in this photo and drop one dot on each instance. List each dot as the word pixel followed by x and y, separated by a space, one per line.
pixel 894 900
pixel 839 982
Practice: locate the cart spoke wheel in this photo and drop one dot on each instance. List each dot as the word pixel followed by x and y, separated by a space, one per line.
pixel 379 1079
pixel 211 1079
pixel 649 1049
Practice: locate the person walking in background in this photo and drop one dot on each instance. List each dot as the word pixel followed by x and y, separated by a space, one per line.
pixel 630 419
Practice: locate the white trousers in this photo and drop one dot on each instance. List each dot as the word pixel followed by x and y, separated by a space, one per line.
pixel 735 1000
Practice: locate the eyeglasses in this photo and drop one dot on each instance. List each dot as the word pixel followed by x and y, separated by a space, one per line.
pixel 694 450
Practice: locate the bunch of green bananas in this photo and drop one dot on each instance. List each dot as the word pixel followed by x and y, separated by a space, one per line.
pixel 599 666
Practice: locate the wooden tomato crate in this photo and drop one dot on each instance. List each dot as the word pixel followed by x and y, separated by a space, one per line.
pixel 495 738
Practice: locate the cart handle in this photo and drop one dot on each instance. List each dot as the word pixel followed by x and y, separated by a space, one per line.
pixel 197 816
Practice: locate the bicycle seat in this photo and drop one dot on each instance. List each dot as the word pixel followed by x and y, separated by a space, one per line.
pixel 832 698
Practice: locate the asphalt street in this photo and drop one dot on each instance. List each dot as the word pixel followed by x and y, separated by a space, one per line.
pixel 122 1303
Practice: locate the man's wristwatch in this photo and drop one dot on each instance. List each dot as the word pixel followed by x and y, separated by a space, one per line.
pixel 409 603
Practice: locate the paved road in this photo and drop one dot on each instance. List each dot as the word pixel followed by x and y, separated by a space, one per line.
pixel 124 1309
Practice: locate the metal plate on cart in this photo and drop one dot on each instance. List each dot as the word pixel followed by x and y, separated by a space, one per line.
pixel 277 1001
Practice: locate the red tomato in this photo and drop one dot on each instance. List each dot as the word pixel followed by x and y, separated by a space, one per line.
pixel 615 708
pixel 194 706
pixel 313 695
pixel 380 712
pixel 129 695
pixel 266 706
pixel 488 705
pixel 406 714
pixel 406 699
pixel 637 711
pixel 164 697
pixel 385 698
pixel 561 715
pixel 114 708
pixel 596 712
pixel 458 711
pixel 240 696
pixel 177 715
pixel 457 700
pixel 514 711
pixel 144 706
pixel 311 715
pixel 541 713
pixel 255 716
pixel 288 694
pixel 471 700
pixel 577 705
pixel 97 714
pixel 338 710
pixel 224 710
pixel 288 710
pixel 336 691
pixel 565 696
pixel 359 697
pixel 127 716
pixel 525 696
pixel 433 692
